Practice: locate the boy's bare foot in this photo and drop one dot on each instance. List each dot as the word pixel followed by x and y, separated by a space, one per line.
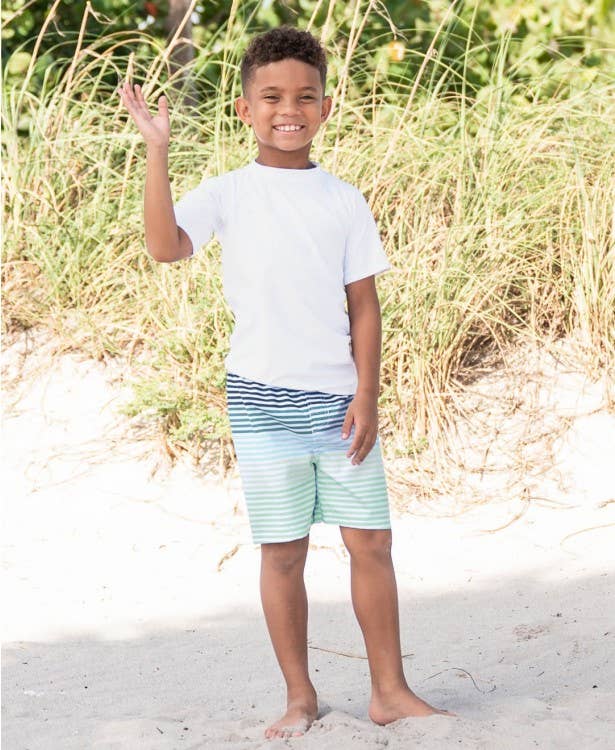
pixel 298 718
pixel 387 707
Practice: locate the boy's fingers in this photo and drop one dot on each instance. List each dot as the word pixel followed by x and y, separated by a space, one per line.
pixel 139 95
pixel 366 446
pixel 356 443
pixel 127 94
pixel 141 107
pixel 347 423
pixel 359 458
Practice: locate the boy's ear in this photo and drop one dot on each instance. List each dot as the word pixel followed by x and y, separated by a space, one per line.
pixel 243 109
pixel 327 103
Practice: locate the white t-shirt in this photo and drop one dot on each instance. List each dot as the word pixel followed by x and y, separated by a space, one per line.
pixel 291 239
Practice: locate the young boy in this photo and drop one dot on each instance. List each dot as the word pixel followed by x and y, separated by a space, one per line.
pixel 302 373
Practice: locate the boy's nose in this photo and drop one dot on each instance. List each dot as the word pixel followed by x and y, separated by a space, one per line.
pixel 288 108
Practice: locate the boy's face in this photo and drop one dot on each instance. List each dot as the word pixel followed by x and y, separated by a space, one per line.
pixel 284 92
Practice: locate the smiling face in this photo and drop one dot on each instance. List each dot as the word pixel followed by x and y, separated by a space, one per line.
pixel 284 93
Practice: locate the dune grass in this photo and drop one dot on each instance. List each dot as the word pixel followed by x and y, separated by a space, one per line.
pixel 496 209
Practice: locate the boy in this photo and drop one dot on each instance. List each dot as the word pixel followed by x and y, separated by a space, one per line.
pixel 298 243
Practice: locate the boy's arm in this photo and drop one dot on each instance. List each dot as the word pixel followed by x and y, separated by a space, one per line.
pixel 365 333
pixel 165 241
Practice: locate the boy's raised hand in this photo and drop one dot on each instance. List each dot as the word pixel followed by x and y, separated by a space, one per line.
pixel 155 130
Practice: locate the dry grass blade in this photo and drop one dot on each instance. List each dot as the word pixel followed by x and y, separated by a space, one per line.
pixel 227 556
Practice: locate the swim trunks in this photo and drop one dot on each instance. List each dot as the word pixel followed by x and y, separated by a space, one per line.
pixel 293 464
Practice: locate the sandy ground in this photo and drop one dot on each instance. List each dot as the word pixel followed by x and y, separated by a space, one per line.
pixel 131 615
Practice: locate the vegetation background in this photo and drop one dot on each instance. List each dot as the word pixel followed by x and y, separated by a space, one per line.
pixel 482 134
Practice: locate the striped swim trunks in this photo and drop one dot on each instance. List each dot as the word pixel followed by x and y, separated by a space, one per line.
pixel 293 464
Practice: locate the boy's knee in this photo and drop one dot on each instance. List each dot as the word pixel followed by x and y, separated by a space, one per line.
pixel 284 557
pixel 368 543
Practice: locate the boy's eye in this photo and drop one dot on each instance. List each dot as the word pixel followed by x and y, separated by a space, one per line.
pixel 275 97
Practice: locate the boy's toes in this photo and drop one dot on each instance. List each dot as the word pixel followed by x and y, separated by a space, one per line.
pixel 295 731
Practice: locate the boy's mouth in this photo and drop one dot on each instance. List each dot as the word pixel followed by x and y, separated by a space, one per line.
pixel 288 129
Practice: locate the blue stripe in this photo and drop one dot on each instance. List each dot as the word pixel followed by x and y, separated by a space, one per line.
pixel 257 407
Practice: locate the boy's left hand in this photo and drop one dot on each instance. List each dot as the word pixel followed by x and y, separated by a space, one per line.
pixel 363 412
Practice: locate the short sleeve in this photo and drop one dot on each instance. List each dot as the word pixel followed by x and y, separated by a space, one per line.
pixel 199 212
pixel 364 254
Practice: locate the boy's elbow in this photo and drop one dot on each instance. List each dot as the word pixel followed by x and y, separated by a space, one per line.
pixel 169 254
pixel 156 254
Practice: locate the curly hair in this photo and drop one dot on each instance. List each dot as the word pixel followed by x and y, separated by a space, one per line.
pixel 279 44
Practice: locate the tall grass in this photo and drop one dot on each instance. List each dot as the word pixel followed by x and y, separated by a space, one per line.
pixel 496 209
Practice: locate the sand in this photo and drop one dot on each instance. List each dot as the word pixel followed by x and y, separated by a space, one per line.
pixel 131 615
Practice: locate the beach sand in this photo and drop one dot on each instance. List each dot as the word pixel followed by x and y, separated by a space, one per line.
pixel 132 619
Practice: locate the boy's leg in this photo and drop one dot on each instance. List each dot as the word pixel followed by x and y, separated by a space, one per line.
pixel 285 607
pixel 375 602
